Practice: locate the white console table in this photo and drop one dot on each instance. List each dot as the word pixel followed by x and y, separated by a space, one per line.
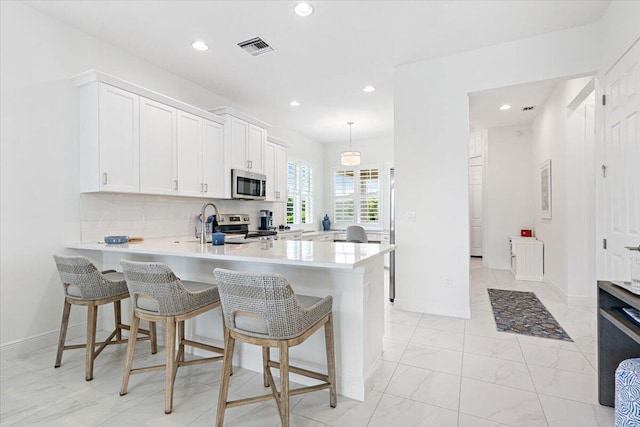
pixel 527 258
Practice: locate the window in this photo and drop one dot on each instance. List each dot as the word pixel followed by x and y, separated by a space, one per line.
pixel 300 193
pixel 356 196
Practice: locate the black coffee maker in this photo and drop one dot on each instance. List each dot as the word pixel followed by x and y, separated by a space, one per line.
pixel 266 220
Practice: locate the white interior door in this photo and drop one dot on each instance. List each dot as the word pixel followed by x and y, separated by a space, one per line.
pixel 475 205
pixel 622 162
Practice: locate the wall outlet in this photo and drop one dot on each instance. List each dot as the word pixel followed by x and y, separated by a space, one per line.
pixel 145 217
pixel 411 216
pixel 448 282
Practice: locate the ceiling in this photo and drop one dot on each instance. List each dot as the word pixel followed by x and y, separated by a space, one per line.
pixel 323 60
pixel 484 107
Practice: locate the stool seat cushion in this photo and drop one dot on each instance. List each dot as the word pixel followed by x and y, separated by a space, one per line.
pixel 628 393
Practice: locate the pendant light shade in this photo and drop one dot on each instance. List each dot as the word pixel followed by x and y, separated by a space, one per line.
pixel 350 157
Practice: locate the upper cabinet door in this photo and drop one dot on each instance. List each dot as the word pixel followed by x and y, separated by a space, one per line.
pixel 281 174
pixel 270 171
pixel 189 155
pixel 157 148
pixel 119 140
pixel 255 149
pixel 239 135
pixel 213 173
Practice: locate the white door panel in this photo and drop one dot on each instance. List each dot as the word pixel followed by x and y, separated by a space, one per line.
pixel 475 207
pixel 622 161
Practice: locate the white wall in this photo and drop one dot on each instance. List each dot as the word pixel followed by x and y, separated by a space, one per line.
pixel 375 153
pixel 431 148
pixel 40 200
pixel 568 235
pixel 508 189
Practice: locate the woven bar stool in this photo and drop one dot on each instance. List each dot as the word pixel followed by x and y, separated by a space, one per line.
pixel 262 309
pixel 159 296
pixel 84 285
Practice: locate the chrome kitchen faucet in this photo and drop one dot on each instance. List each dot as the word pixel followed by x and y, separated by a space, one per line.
pixel 203 234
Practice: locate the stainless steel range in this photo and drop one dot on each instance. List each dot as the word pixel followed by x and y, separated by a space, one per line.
pixel 238 224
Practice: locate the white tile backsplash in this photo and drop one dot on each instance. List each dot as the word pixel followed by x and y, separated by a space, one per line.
pixel 106 214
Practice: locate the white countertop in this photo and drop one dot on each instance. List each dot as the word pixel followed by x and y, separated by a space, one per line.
pixel 289 252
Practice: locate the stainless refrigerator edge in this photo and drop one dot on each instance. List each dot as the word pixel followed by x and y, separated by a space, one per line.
pixel 392 236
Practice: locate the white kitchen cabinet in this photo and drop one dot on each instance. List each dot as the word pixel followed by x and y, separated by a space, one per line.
pixel 245 140
pixel 189 155
pixel 110 139
pixel 527 258
pixel 247 144
pixel 158 150
pixel 214 178
pixel 275 167
pixel 133 140
pixel 290 236
pixel 200 157
pixel 256 140
pixel 328 237
pixel 238 134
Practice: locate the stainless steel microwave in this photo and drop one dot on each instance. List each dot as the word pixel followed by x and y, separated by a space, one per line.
pixel 248 185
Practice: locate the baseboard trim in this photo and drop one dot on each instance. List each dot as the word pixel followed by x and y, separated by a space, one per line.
pixel 24 346
pixel 437 309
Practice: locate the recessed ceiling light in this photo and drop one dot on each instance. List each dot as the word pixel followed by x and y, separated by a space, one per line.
pixel 505 107
pixel 303 9
pixel 368 89
pixel 200 45
pixel 294 103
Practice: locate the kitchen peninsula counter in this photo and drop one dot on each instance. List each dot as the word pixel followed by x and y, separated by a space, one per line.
pixel 352 273
pixel 282 252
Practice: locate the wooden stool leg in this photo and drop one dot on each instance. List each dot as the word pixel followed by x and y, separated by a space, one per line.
pixel 63 332
pixel 181 341
pixel 117 311
pixel 92 318
pixel 284 383
pixel 265 365
pixel 154 337
pixel 226 375
pixel 331 361
pixel 170 365
pixel 226 336
pixel 131 348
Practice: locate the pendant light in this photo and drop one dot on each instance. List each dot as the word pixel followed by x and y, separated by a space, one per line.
pixel 350 157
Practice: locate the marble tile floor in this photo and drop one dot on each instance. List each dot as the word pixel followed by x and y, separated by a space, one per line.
pixel 436 371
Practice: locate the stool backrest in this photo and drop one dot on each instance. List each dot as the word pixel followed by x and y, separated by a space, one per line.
pixel 157 281
pixel 356 234
pixel 266 295
pixel 81 273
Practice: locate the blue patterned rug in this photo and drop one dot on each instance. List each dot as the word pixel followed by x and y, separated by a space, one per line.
pixel 523 313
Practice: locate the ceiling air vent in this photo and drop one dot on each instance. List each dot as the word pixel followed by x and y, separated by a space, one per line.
pixel 529 108
pixel 256 46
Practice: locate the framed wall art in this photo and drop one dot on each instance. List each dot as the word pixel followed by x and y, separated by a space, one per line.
pixel 545 189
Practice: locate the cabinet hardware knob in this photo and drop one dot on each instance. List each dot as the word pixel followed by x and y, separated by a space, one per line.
pixel 175 184
pixel 206 187
pixel 104 178
pixel 633 248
